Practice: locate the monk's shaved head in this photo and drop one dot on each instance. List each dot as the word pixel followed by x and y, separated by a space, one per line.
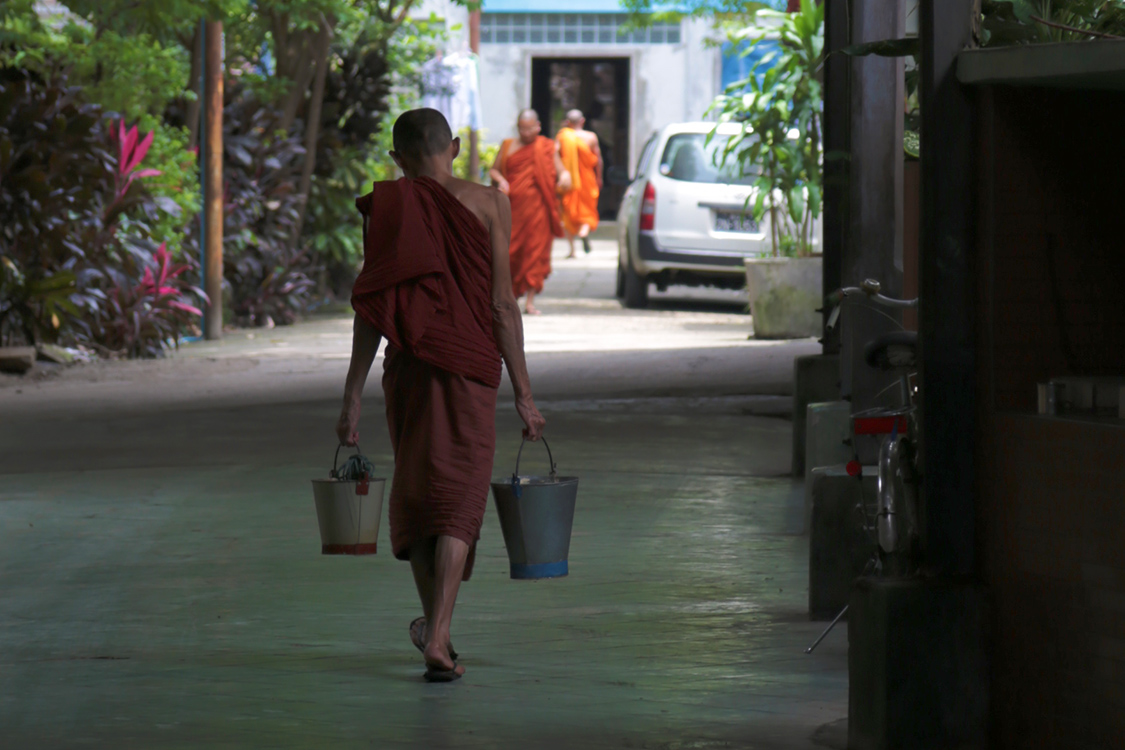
pixel 575 116
pixel 421 132
pixel 528 115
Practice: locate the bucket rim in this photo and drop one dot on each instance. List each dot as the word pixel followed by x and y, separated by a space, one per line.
pixel 536 480
pixel 333 480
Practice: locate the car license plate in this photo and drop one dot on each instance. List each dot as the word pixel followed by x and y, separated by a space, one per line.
pixel 735 221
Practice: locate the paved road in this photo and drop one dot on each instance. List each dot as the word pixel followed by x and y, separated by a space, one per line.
pixel 690 343
pixel 163 587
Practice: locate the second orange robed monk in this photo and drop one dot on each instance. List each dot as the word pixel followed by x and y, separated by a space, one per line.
pixel 582 156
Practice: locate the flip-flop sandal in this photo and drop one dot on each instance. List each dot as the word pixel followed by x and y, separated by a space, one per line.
pixel 586 244
pixel 441 675
pixel 417 630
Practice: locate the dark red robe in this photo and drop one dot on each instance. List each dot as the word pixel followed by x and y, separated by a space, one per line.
pixel 426 286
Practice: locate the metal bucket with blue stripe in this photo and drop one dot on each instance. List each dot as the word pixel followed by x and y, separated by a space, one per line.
pixel 536 517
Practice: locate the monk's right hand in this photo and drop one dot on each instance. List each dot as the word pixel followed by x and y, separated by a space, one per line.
pixel 504 187
pixel 347 426
pixel 531 418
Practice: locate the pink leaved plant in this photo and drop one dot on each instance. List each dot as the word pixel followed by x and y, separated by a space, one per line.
pixel 130 154
pixel 144 316
pixel 157 287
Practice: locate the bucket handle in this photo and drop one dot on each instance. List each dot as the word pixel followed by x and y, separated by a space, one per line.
pixel 517 488
pixel 336 458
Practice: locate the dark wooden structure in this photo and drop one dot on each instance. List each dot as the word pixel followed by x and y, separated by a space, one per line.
pixel 1049 301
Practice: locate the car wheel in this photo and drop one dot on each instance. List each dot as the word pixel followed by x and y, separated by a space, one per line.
pixel 619 290
pixel 635 288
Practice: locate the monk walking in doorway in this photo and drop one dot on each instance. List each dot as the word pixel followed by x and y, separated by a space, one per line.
pixel 529 172
pixel 582 156
pixel 435 283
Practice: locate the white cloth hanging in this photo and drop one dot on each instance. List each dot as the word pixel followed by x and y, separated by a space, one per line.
pixel 451 85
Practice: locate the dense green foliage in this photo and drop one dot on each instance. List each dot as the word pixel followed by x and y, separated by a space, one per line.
pixel 79 261
pixel 779 111
pixel 1037 21
pixel 311 87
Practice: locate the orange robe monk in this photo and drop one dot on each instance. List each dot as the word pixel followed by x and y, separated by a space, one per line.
pixel 425 286
pixel 580 205
pixel 531 175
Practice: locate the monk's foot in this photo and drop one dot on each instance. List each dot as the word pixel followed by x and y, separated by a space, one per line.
pixel 439 666
pixel 418 637
pixel 532 310
pixel 586 244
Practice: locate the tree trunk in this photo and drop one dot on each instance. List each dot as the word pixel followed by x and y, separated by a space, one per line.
pixel 312 123
pixel 302 77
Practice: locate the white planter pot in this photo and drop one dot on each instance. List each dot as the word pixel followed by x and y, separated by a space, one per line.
pixel 785 294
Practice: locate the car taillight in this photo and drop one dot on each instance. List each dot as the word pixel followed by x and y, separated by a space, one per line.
pixel 648 208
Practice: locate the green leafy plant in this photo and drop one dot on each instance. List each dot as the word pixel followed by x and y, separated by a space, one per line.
pixel 1006 22
pixel 486 151
pixel 779 140
pixel 268 278
pixel 73 208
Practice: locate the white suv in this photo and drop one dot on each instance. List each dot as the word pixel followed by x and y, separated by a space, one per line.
pixel 685 220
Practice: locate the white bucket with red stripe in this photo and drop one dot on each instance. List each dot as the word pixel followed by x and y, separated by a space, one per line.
pixel 348 513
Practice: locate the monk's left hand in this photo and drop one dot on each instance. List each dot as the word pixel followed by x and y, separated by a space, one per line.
pixel 533 420
pixel 347 426
pixel 565 182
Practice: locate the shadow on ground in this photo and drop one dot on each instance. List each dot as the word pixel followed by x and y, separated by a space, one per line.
pixel 163 588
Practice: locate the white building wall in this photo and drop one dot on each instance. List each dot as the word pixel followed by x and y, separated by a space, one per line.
pixel 669 82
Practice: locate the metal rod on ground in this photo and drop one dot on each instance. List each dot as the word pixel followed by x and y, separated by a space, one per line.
pixel 213 181
pixel 827 630
pixel 474 142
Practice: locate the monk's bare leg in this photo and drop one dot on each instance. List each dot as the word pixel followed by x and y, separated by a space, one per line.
pixel 530 307
pixel 570 239
pixel 450 555
pixel 422 565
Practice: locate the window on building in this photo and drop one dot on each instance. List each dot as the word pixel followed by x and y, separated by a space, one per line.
pixel 571 28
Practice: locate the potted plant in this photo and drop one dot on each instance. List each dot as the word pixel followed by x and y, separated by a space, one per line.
pixel 778 107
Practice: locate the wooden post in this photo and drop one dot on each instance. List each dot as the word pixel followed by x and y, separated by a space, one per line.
pixel 213 181
pixel 474 143
pixel 946 279
pixel 874 234
pixel 836 145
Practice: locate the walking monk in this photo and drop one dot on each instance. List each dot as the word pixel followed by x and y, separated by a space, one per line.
pixel 582 156
pixel 529 172
pixel 435 283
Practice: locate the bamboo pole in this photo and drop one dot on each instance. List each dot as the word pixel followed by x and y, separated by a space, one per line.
pixel 213 181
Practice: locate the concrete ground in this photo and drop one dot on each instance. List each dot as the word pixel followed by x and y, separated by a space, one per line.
pixel 163 586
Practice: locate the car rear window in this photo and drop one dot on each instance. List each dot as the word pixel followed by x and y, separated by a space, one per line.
pixel 689 158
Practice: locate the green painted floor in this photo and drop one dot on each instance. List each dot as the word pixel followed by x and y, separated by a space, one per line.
pixel 162 587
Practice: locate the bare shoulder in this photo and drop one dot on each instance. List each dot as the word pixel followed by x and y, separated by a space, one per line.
pixel 590 137
pixel 476 198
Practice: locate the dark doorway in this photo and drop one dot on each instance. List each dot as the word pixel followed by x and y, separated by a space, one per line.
pixel 599 86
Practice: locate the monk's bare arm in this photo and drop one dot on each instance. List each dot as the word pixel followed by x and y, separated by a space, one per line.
pixel 564 179
pixel 507 323
pixel 599 168
pixel 365 342
pixel 498 178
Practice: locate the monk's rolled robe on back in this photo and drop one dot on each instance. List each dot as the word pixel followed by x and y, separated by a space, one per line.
pixel 426 287
pixel 580 204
